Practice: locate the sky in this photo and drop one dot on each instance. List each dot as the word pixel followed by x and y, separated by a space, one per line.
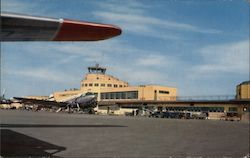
pixel 200 47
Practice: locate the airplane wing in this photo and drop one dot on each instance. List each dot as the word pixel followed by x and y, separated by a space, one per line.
pixel 41 103
pixel 16 27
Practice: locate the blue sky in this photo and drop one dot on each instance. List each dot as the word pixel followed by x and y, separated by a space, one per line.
pixel 201 47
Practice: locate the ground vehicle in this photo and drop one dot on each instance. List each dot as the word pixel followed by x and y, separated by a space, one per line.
pixel 157 114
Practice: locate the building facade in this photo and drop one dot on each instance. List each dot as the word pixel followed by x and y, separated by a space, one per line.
pixel 243 90
pixel 108 87
pixel 117 97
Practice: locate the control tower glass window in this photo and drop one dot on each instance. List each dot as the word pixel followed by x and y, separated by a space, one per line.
pixel 97 69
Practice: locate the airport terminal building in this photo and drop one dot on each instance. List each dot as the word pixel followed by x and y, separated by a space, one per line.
pixel 117 97
pixel 109 88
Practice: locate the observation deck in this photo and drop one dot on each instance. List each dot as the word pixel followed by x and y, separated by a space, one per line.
pixel 96 69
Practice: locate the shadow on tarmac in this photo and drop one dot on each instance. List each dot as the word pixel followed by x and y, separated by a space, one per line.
pixel 54 126
pixel 15 144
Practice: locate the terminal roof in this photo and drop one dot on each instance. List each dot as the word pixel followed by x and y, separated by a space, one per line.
pixel 245 83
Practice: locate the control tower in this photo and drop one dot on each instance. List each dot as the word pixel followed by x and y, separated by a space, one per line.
pixel 97 69
pixel 97 79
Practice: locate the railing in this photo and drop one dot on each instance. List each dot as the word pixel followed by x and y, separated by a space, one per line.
pixel 183 98
pixel 198 98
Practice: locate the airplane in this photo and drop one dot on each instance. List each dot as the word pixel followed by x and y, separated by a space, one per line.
pixel 19 27
pixel 3 100
pixel 86 102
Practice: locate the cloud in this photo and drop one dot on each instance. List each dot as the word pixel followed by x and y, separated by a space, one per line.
pixel 139 75
pixel 17 6
pixel 33 7
pixel 157 59
pixel 130 7
pixel 151 26
pixel 147 20
pixel 134 17
pixel 42 74
pixel 137 66
pixel 224 58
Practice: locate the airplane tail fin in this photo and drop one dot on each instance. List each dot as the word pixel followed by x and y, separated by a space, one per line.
pixel 3 95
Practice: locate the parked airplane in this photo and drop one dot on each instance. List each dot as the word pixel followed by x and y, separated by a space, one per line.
pixel 3 100
pixel 86 102
pixel 17 27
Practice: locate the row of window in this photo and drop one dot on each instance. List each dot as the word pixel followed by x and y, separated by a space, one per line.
pixel 233 109
pixel 120 95
pixel 102 85
pixel 196 109
pixel 163 92
pixel 96 78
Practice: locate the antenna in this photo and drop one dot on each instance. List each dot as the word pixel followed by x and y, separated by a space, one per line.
pixel 102 56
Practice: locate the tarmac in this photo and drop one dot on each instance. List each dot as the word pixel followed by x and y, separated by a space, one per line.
pixel 45 134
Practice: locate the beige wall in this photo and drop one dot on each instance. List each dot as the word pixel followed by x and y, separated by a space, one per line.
pixel 103 83
pixel 93 82
pixel 243 91
pixel 58 96
pixel 147 92
pixel 159 93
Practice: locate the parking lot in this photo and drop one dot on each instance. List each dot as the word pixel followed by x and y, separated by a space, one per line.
pixel 26 133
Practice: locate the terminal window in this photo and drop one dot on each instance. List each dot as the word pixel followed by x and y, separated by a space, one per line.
pixel 112 96
pixel 164 92
pixel 196 109
pixel 232 109
pixel 120 95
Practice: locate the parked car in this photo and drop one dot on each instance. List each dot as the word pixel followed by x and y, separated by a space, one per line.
pixel 157 114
